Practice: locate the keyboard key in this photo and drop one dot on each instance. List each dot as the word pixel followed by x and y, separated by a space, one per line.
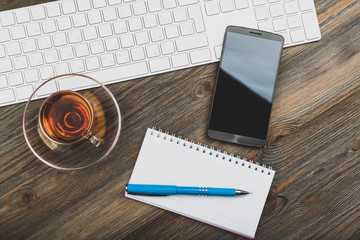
pixel 135 24
pixel 79 20
pixel 180 15
pixel 180 60
pixel 46 72
pixel 109 14
pixel 5 66
pixel 44 42
pixel 168 4
pixel 7 96
pixel 59 39
pixel 226 6
pixel 75 36
pixel 152 50
pixel 159 64
pixel 217 51
pixel 241 4
pixel 212 8
pixel 120 27
pixel 92 63
pixel 7 19
pixel 142 37
pixel 192 42
pixel 114 2
pixel 167 47
pixel 127 40
pixel 199 56
pixel 112 44
pixel 105 30
pixel 64 23
pixel 20 63
pixel 36 59
pixel 261 13
pixel 77 66
pixel 4 35
pixel 306 4
pixel 165 18
pixel 81 50
pixel 187 2
pixel 74 82
pixel 291 7
pixel 99 3
pixel 265 26
pixel 196 15
pixel 2 51
pixel 311 31
pixel 13 48
pixel 139 8
pixel 294 21
pixel 279 24
pixel 154 5
pixel 62 68
pixel 107 60
pixel 90 33
pixel 124 11
pixel 46 89
pixel 286 37
pixel 297 35
pixel 171 32
pixel 276 10
pixel 38 13
pixel 31 76
pixel 186 28
pixel 111 74
pixel 156 34
pixel 122 57
pixel 66 53
pixel 97 47
pixel 150 21
pixel 53 10
pixel 137 53
pixel 68 7
pixel 259 2
pixel 23 92
pixel 3 81
pixel 22 16
pixel 83 5
pixel 49 26
pixel 16 79
pixel 94 17
pixel 18 32
pixel 33 29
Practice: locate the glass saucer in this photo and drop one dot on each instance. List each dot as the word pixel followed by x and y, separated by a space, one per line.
pixel 82 154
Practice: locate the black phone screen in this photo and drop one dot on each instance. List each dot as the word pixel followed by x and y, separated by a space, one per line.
pixel 245 85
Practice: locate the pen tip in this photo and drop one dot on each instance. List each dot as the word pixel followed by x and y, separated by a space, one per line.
pixel 241 192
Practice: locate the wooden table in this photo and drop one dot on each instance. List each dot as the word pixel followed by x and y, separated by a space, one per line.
pixel 313 144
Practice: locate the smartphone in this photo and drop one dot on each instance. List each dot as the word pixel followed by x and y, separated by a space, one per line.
pixel 245 85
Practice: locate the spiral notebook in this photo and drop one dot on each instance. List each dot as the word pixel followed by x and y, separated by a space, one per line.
pixel 169 160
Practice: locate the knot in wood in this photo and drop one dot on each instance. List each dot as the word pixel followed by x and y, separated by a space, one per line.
pixel 27 196
pixel 203 89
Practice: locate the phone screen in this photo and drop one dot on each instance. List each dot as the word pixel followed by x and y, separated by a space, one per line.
pixel 245 84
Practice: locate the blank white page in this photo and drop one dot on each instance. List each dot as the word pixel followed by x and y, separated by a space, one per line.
pixel 168 160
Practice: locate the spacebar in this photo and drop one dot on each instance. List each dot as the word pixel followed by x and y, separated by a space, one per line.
pixel 105 75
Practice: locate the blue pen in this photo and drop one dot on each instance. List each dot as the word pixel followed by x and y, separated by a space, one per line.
pixel 146 189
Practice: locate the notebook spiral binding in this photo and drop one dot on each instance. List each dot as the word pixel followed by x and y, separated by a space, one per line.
pixel 211 151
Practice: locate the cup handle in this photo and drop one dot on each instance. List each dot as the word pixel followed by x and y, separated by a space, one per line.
pixel 94 140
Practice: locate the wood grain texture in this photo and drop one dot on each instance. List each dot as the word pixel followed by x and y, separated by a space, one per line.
pixel 313 144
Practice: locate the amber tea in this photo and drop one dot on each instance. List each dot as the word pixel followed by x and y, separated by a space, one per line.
pixel 66 117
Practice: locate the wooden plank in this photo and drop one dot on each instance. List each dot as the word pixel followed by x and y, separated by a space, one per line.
pixel 313 144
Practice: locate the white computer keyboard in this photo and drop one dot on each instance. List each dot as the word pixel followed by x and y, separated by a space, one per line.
pixel 117 40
